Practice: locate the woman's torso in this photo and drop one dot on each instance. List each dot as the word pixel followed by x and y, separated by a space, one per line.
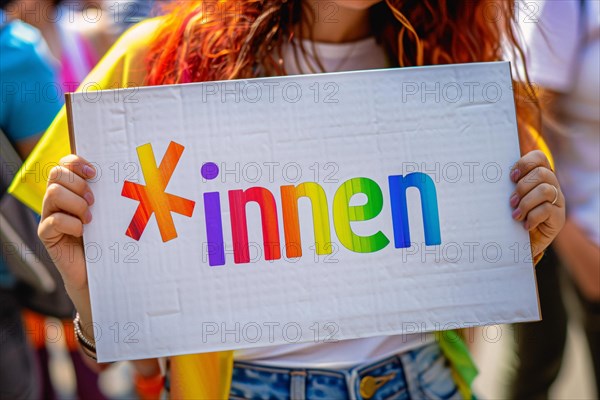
pixel 360 55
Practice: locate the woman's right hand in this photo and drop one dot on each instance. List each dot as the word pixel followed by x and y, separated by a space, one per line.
pixel 64 213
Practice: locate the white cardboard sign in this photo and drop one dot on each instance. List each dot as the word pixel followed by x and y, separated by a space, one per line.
pixel 374 202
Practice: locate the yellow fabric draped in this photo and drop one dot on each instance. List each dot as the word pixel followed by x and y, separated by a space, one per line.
pixel 201 376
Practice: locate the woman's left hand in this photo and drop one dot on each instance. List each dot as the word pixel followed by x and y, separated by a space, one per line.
pixel 537 200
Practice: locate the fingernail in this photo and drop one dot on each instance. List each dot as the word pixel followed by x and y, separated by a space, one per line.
pixel 516 214
pixel 89 197
pixel 514 174
pixel 514 200
pixel 88 171
pixel 526 225
pixel 88 217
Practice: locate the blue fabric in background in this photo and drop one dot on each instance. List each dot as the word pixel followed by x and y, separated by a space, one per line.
pixel 30 97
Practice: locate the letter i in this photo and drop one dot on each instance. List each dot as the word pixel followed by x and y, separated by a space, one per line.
pixel 212 216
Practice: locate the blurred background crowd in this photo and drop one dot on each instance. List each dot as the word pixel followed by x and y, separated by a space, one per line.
pixel 47 47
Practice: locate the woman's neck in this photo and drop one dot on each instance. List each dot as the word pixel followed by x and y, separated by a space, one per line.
pixel 336 25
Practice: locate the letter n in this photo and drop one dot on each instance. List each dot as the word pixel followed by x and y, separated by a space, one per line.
pixel 239 226
pixel 291 224
pixel 429 207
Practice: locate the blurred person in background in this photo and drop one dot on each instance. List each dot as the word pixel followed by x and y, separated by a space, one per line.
pixel 130 12
pixel 74 54
pixel 26 72
pixel 73 58
pixel 563 55
pixel 78 33
pixel 26 59
pixel 102 22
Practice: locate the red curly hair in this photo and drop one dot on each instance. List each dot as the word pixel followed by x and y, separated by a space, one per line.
pixel 206 40
pixel 229 39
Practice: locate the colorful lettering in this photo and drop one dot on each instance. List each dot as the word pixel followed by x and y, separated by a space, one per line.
pixel 239 228
pixel 212 216
pixel 152 197
pixel 344 214
pixel 429 208
pixel 291 223
pixel 154 200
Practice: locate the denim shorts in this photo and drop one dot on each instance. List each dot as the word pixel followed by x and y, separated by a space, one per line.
pixel 422 373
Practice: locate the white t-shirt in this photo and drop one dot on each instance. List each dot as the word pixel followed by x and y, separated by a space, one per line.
pixel 562 40
pixel 360 55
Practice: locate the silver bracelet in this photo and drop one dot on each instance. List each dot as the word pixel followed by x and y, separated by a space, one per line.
pixel 80 336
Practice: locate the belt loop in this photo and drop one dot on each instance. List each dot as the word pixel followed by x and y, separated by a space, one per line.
pixel 351 379
pixel 298 385
pixel 411 374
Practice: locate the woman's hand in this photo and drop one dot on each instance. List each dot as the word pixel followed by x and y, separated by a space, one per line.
pixel 537 200
pixel 64 213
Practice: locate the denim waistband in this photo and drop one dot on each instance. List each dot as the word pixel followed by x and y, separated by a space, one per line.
pixel 399 377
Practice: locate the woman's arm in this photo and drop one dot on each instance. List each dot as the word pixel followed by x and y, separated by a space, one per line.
pixel 65 211
pixel 582 258
pixel 537 200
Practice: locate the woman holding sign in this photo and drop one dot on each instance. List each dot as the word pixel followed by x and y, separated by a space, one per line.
pixel 204 41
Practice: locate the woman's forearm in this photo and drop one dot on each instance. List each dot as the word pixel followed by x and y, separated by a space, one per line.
pixel 146 368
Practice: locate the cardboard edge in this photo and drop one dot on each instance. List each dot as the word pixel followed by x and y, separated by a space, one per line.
pixel 537 292
pixel 69 108
pixel 71 128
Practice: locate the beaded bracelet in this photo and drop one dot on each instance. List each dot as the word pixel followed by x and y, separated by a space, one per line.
pixel 89 348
